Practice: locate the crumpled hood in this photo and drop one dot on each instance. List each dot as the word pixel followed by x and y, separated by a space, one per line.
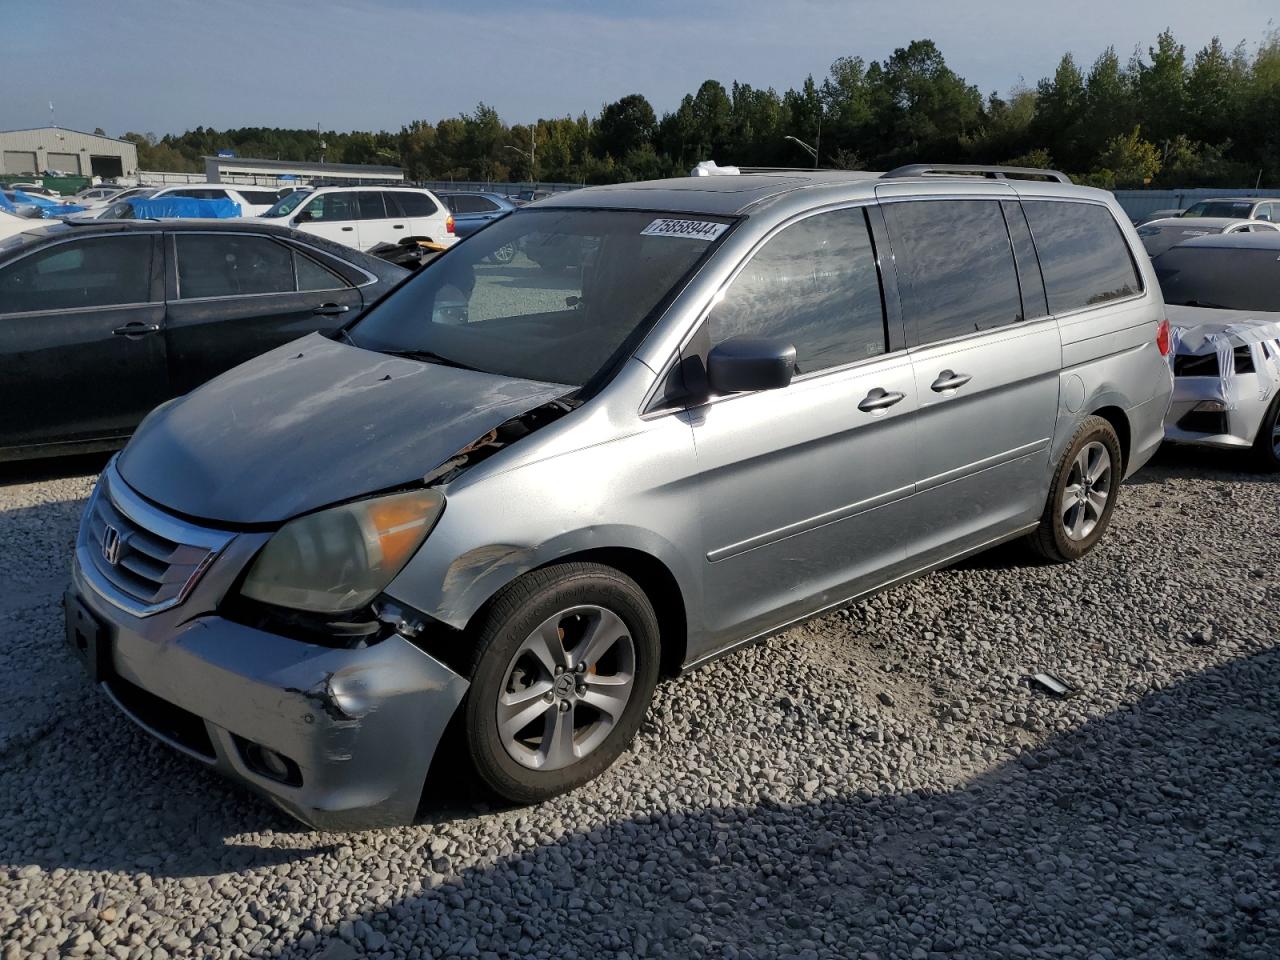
pixel 312 423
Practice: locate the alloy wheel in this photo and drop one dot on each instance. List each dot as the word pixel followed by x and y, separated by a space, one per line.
pixel 1088 487
pixel 566 687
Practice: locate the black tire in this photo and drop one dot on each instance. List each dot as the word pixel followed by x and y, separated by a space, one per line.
pixel 501 630
pixel 1265 452
pixel 1051 541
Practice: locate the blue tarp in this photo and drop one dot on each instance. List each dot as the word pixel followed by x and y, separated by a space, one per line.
pixel 157 207
pixel 49 208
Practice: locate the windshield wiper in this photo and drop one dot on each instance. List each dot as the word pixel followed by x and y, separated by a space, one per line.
pixel 428 357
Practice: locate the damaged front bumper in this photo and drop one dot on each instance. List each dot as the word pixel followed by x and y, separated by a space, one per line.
pixel 341 739
pixel 1202 413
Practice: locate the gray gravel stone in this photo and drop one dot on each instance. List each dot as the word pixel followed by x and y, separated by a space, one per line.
pixel 878 783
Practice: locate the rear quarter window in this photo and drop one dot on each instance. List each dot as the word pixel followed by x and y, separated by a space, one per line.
pixel 1084 258
pixel 415 204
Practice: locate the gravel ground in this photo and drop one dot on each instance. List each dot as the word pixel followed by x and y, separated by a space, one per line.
pixel 879 783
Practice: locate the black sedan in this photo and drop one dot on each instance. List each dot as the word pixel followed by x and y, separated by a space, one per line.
pixel 102 321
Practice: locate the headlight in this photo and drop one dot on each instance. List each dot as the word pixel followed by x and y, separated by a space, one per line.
pixel 341 558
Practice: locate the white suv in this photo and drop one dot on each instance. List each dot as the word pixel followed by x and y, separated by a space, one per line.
pixel 364 217
pixel 254 201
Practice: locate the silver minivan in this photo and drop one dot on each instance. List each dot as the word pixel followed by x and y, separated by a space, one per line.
pixel 510 497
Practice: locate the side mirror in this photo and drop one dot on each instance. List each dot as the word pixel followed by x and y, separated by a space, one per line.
pixel 304 216
pixel 751 363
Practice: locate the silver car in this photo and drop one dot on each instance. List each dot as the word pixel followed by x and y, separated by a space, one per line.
pixel 512 496
pixel 1223 297
pixel 1159 235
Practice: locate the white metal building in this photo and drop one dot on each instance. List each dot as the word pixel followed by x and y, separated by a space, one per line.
pixel 246 170
pixel 39 149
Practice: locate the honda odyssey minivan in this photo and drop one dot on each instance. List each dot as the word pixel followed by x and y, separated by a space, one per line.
pixel 505 502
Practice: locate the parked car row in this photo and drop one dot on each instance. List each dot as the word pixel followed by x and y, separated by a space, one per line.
pixel 503 501
pixel 693 412
pixel 1222 296
pixel 103 321
pixel 1205 217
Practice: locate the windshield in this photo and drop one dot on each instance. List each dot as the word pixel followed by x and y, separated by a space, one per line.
pixel 286 205
pixel 550 295
pixel 1233 209
pixel 1223 277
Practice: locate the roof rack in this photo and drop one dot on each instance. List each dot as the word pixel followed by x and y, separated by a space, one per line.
pixel 991 172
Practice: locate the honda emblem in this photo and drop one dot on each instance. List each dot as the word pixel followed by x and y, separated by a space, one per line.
pixel 111 545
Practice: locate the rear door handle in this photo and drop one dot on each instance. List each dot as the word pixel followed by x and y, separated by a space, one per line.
pixel 330 309
pixel 136 329
pixel 347 229
pixel 879 399
pixel 949 381
pixel 397 226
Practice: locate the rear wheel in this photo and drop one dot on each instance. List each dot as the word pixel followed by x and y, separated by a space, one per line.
pixel 1266 447
pixel 563 671
pixel 1082 495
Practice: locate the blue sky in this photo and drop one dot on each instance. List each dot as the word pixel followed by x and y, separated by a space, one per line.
pixel 168 65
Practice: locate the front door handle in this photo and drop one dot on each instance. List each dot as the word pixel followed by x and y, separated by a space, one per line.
pixel 347 229
pixel 949 381
pixel 879 399
pixel 136 329
pixel 330 309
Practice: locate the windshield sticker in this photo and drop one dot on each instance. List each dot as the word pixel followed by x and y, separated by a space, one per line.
pixel 692 229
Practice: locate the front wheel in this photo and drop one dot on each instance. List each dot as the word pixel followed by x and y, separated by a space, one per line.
pixel 563 671
pixel 1266 447
pixel 1082 495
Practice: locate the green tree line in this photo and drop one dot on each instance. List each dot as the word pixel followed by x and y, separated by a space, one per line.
pixel 1163 118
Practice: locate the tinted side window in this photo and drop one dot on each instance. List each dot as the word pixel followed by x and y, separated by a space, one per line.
pixel 369 203
pixel 393 204
pixel 312 276
pixel 259 196
pixel 416 204
pixel 332 206
pixel 1083 255
pixel 462 203
pixel 473 204
pixel 956 272
pixel 814 284
pixel 217 265
pixel 93 272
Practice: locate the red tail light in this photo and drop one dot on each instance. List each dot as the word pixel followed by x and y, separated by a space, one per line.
pixel 448 226
pixel 1164 342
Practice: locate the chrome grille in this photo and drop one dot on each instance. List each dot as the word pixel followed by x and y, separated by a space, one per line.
pixel 139 558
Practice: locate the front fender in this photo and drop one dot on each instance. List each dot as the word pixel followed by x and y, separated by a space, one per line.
pixel 478 574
